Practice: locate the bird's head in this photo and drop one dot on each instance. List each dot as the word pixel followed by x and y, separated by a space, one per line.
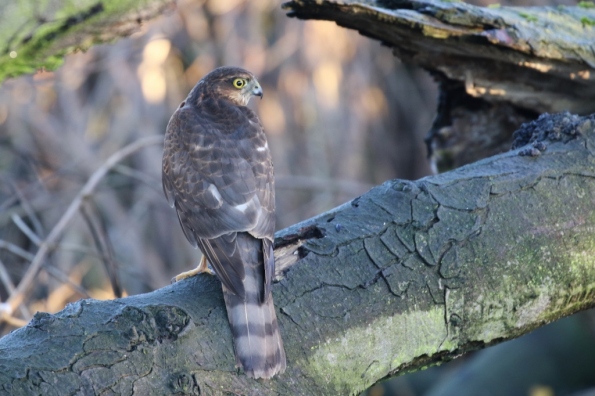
pixel 232 83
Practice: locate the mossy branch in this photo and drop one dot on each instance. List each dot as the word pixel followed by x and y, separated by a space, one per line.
pixel 37 35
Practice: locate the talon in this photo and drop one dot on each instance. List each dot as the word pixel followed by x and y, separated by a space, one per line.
pixel 202 268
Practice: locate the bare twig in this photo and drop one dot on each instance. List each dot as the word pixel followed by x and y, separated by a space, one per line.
pixel 57 273
pixel 16 298
pixel 16 250
pixel 112 269
pixel 20 223
pixel 70 247
pixel 51 270
pixel 5 278
pixel 7 282
pixel 28 209
pixel 104 247
pixel 151 181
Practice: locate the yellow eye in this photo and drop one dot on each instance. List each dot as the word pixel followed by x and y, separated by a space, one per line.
pixel 239 83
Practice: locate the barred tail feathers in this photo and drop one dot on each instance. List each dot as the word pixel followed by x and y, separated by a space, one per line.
pixel 257 341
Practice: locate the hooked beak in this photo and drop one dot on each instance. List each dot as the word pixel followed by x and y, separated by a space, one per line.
pixel 257 90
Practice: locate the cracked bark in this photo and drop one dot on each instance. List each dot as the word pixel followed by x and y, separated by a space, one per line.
pixel 496 67
pixel 407 275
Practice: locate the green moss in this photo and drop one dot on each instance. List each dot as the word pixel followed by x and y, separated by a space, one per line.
pixel 586 4
pixel 528 17
pixel 37 34
pixel 524 300
pixel 587 21
pixel 387 343
pixel 550 273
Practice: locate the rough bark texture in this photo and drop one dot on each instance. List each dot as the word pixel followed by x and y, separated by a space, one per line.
pixel 407 275
pixel 497 67
pixel 38 34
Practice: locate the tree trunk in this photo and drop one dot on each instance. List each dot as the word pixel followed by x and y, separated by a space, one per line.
pixel 407 275
pixel 496 67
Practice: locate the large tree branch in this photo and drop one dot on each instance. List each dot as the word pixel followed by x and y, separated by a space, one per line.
pixel 538 58
pixel 497 67
pixel 409 274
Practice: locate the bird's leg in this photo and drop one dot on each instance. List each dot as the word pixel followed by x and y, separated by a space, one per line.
pixel 202 267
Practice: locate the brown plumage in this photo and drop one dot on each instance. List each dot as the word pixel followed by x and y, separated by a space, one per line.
pixel 218 174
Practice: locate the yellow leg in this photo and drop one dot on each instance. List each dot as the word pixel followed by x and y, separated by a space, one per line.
pixel 202 267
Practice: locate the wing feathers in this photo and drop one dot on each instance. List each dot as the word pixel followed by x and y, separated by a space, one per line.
pixel 269 265
pixel 216 176
pixel 228 266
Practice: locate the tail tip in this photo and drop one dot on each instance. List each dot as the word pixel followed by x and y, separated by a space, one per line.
pixel 265 373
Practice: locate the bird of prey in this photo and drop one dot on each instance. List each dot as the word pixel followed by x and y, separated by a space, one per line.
pixel 218 174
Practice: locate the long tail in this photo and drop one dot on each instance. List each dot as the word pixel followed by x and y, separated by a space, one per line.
pixel 258 345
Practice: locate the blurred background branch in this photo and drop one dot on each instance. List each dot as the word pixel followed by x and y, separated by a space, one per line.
pixel 19 294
